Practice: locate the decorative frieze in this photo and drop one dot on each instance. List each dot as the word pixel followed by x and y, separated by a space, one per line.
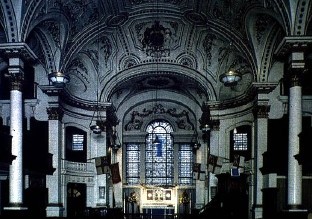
pixel 137 118
pixel 295 79
pixel 261 111
pixel 215 124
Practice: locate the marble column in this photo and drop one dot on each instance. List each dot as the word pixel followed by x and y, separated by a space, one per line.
pixel 55 206
pixel 294 178
pixel 16 74
pixel 16 130
pixel 292 49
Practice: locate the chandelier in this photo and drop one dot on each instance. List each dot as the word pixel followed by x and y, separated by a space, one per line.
pixel 231 76
pixel 98 127
pixel 58 79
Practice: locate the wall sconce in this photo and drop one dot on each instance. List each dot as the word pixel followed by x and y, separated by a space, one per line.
pixel 206 128
pixel 206 132
pixel 116 147
pixel 115 142
pixel 196 145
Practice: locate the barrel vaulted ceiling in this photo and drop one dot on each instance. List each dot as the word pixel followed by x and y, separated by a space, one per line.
pixel 110 46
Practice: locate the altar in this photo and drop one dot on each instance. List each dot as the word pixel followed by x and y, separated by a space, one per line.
pixel 158 212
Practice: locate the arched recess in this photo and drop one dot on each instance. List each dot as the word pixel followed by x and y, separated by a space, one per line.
pixel 265 31
pixel 158 149
pixel 76 144
pixel 169 76
pixel 136 114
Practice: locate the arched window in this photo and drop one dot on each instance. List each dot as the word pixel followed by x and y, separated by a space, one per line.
pixel 159 154
pixel 76 147
pixel 154 162
pixel 240 142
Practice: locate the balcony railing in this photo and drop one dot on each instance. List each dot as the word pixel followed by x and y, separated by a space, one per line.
pixel 78 167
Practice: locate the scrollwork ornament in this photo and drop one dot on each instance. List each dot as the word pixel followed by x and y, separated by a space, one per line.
pixel 16 81
pixel 55 113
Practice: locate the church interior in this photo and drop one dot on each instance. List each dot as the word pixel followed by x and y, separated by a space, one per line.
pixel 156 109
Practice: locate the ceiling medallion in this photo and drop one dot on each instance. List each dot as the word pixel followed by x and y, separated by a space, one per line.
pixel 196 18
pixel 118 20
pixel 155 40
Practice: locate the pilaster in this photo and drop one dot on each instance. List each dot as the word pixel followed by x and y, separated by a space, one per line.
pixel 55 206
pixel 261 114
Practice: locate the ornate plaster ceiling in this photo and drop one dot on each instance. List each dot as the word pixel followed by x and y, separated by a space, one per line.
pixel 125 47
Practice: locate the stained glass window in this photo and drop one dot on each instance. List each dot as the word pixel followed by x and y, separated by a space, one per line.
pixel 133 164
pixel 159 154
pixel 158 169
pixel 185 164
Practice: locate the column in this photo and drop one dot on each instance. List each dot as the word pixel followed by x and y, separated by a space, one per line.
pixel 16 74
pixel 294 177
pixel 292 49
pixel 55 206
pixel 261 141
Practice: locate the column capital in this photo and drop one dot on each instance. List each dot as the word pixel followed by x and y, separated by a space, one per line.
pixel 261 111
pixel 18 49
pixel 215 124
pixel 295 79
pixel 291 44
pixel 264 87
pixel 292 50
pixel 55 113
pixel 16 80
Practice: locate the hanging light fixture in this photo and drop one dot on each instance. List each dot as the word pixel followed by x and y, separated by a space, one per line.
pixel 231 77
pixel 99 125
pixel 58 78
